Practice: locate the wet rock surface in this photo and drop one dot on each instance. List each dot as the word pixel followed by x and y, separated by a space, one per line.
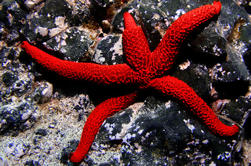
pixel 42 115
pixel 109 51
pixel 73 44
pixel 15 118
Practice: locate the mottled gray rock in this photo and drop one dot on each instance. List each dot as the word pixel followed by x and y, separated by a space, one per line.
pixel 207 46
pixel 247 59
pixel 9 78
pixel 32 163
pixel 109 51
pixel 13 78
pixel 73 43
pixel 12 20
pixel 226 72
pixel 48 21
pixel 80 12
pixel 3 161
pixel 43 20
pixel 196 76
pixel 17 117
pixel 43 92
pixel 17 149
pixel 102 3
pixel 231 78
pixel 42 132
pixel 226 21
pixel 12 13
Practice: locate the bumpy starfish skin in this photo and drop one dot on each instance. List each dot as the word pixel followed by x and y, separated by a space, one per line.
pixel 163 56
pixel 145 70
pixel 155 64
pixel 135 45
pixel 95 120
pixel 180 90
pixel 101 74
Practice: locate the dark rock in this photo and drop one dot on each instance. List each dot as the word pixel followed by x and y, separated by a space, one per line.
pixel 42 132
pixel 236 109
pixel 37 139
pixel 231 89
pixel 235 59
pixel 9 78
pixel 247 126
pixel 109 51
pixel 207 47
pixel 15 118
pixel 245 33
pixel 42 93
pixel 3 13
pixel 197 77
pixel 74 44
pixel 12 21
pixel 66 151
pixel 55 8
pixel 224 72
pixel 20 87
pixel 38 28
pixel 247 59
pixel 15 80
pixel 102 3
pixel 12 37
pixel 12 54
pixel 231 78
pixel 11 14
pixel 80 13
pixel 228 20
pixel 53 124
pixel 54 17
pixel 17 149
pixel 3 56
pixel 105 164
pixel 32 163
pixel 2 30
pixel 108 131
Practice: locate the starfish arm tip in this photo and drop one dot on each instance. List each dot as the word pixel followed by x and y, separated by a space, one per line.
pixel 217 5
pixel 129 21
pixel 126 14
pixel 236 128
pixel 233 130
pixel 75 158
pixel 24 44
pixel 178 89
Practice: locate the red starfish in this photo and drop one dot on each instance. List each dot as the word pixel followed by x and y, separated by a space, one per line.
pixel 145 69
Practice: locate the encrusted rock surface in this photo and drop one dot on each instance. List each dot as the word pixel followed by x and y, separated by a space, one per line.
pixel 42 114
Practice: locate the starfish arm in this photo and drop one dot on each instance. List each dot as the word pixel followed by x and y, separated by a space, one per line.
pixel 95 120
pixel 181 91
pixel 102 74
pixel 135 44
pixel 163 56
